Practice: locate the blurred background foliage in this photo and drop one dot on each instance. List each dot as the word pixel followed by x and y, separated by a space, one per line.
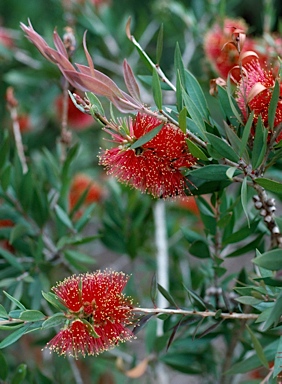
pixel 46 236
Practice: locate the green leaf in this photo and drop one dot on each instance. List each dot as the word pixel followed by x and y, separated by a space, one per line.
pixel 246 134
pixel 225 106
pixel 198 300
pixel 6 177
pixel 179 87
pixel 248 300
pixel 277 362
pixel 147 137
pixel 20 374
pixel 200 249
pixel 11 259
pixel 247 248
pixel 196 93
pixel 244 199
pixel 234 107
pixel 54 321
pixel 273 105
pixel 18 231
pixel 182 119
pixel 16 335
pixel 258 348
pixel 157 92
pixel 242 233
pixel 182 362
pixel 224 149
pixel 32 315
pixel 63 217
pixel 4 151
pixel 270 185
pixel 90 329
pixel 250 363
pixel 260 144
pixel 54 300
pixel 79 257
pixel 179 66
pixel 96 106
pixel 15 301
pixel 212 172
pixel 271 260
pixel 194 112
pixel 236 142
pixel 3 312
pixel 159 48
pixel 196 151
pixel 167 295
pixel 275 314
pixel 3 367
pixel 148 79
pixel 72 153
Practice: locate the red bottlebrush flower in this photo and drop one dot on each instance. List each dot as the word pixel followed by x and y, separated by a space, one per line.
pixel 218 47
pixel 80 184
pixel 155 167
pixel 24 123
pixel 4 223
pixel 254 93
pixel 189 203
pixel 98 313
pixel 76 119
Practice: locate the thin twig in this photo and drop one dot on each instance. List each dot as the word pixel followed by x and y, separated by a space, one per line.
pixel 231 315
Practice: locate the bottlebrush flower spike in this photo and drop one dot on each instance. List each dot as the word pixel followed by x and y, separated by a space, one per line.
pixel 98 313
pixel 82 77
pixel 254 92
pixel 222 45
pixel 155 166
pixel 81 183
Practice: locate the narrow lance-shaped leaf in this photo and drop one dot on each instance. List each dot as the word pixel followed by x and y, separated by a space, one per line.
pixel 19 374
pixel 159 48
pixel 147 137
pixel 200 302
pixel 275 314
pixel 96 105
pixel 32 315
pixel 232 102
pixel 63 216
pixel 244 199
pixel 271 260
pixel 270 185
pixel 246 134
pixel 15 301
pixel 157 92
pixel 224 149
pixel 167 295
pixel 260 144
pixel 154 289
pixel 278 357
pixel 196 93
pixel 16 335
pixel 179 66
pixel 179 87
pixel 182 120
pixel 273 105
pixel 194 112
pixel 258 348
pixel 130 81
pixel 196 151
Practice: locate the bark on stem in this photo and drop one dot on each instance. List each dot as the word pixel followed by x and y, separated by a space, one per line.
pixel 223 315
